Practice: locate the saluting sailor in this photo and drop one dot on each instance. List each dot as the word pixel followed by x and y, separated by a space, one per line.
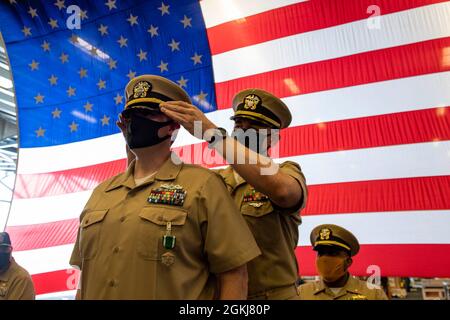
pixel 161 230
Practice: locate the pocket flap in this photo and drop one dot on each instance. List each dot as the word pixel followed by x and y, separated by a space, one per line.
pixel 93 217
pixel 162 215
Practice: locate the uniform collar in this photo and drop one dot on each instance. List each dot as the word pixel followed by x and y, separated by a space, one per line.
pixel 230 178
pixel 168 171
pixel 350 287
pixel 5 275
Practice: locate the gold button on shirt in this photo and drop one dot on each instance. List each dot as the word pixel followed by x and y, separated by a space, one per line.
pixel 276 232
pixel 16 284
pixel 120 248
pixel 354 289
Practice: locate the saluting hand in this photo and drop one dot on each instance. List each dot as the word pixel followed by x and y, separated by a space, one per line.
pixel 185 114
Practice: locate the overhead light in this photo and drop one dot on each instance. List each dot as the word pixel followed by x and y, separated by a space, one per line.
pixel 89 48
pixel 84 116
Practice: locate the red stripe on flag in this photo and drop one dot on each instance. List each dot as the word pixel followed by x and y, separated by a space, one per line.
pixel 298 18
pixel 55 281
pixel 43 235
pixel 350 197
pixel 397 260
pixel 368 132
pixel 379 196
pixel 374 66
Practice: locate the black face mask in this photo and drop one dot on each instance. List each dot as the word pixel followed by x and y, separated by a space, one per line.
pixel 143 132
pixel 4 260
pixel 251 139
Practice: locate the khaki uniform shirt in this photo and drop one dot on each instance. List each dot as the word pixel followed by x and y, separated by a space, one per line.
pixel 120 251
pixel 276 232
pixel 354 289
pixel 16 284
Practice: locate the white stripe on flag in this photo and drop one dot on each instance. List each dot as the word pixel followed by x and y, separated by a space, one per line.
pixel 45 259
pixel 326 44
pixel 48 209
pixel 400 161
pixel 400 227
pixel 71 155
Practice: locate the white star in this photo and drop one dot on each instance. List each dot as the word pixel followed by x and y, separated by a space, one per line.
pixel 56 113
pixel 39 98
pixel 71 91
pixel 101 84
pixel 26 31
pixel 60 4
pixel 83 14
pixel 73 126
pixel 164 9
pixel 45 46
pixel 197 58
pixel 142 55
pixel 34 65
pixel 88 107
pixel 123 41
pixel 40 132
pixel 32 12
pixel 112 64
pixel 12 2
pixel 83 73
pixel 163 66
pixel 53 23
pixel 131 74
pixel 153 31
pixel 174 45
pixel 132 20
pixel 111 4
pixel 53 80
pixel 118 98
pixel 182 82
pixel 105 120
pixel 64 57
pixel 186 22
pixel 103 29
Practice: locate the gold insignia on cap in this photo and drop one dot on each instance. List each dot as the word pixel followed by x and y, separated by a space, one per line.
pixel 325 234
pixel 168 259
pixel 141 88
pixel 251 101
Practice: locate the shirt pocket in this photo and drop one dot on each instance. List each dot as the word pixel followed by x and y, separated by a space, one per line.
pixel 153 226
pixel 90 233
pixel 263 222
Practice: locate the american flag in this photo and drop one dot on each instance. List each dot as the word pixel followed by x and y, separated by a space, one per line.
pixel 367 82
